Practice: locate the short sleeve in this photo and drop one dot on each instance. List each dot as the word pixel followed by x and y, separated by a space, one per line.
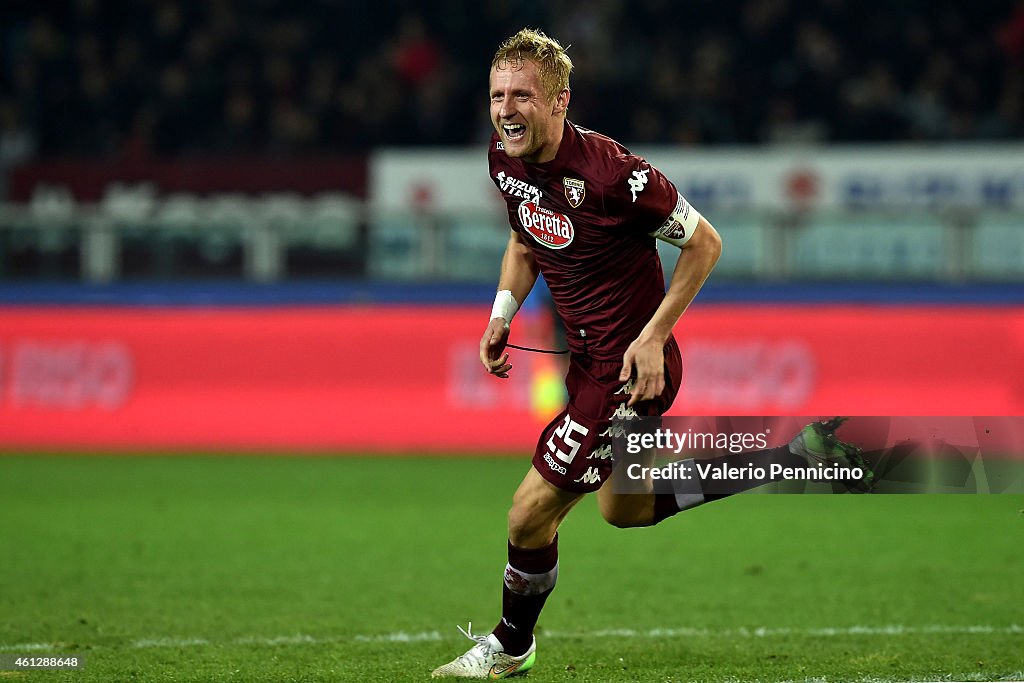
pixel 640 194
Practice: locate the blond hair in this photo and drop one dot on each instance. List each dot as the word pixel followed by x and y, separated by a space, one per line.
pixel 547 53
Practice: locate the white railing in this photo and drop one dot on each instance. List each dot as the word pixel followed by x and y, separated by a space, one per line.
pixel 274 237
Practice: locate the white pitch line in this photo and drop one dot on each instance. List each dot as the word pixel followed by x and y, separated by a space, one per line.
pixel 400 637
pixel 766 632
pixel 680 632
pixel 30 647
pixel 953 678
pixel 169 642
pixel 298 639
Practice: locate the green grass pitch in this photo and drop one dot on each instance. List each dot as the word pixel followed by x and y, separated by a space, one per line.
pixel 358 569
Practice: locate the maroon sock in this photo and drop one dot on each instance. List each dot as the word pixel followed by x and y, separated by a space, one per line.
pixel 673 496
pixel 529 579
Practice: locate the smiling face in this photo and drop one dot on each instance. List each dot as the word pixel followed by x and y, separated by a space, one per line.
pixel 528 123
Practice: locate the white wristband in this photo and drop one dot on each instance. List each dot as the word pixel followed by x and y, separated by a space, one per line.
pixel 505 306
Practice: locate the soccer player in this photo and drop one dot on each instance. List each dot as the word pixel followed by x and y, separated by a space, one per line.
pixel 585 213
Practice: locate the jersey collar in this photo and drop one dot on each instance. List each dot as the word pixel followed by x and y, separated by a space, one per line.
pixel 565 150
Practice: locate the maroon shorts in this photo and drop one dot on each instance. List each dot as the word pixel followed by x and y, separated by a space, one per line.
pixel 575 450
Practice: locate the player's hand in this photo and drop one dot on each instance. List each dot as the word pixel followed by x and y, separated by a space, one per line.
pixel 491 346
pixel 648 357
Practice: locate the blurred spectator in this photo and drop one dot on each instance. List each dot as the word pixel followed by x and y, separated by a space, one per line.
pixel 179 77
pixel 17 142
pixel 1011 35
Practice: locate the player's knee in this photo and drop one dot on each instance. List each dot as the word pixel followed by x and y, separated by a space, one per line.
pixel 527 530
pixel 528 526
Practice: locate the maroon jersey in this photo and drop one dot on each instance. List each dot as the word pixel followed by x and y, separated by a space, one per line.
pixel 587 215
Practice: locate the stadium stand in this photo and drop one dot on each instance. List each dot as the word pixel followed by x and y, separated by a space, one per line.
pixel 179 77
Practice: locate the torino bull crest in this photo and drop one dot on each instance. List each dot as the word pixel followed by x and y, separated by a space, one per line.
pixel 575 191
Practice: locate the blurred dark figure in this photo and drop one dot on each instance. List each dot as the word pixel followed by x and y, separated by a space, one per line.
pixel 192 77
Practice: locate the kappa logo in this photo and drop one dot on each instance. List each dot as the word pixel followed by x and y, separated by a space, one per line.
pixel 591 476
pixel 517 188
pixel 624 412
pixel 602 453
pixel 552 229
pixel 638 182
pixel 616 430
pixel 575 191
pixel 499 145
pixel 552 465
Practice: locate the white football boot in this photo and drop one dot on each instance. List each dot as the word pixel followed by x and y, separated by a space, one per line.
pixel 486 659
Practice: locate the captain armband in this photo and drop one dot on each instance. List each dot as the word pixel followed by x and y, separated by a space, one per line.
pixel 680 225
pixel 505 306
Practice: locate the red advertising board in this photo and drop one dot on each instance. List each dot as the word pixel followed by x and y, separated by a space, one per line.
pixel 351 379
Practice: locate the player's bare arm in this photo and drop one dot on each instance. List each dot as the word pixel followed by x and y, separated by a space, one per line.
pixel 646 354
pixel 518 275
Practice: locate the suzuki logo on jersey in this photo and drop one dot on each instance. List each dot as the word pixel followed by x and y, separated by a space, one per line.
pixel 638 182
pixel 575 191
pixel 517 188
pixel 552 229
